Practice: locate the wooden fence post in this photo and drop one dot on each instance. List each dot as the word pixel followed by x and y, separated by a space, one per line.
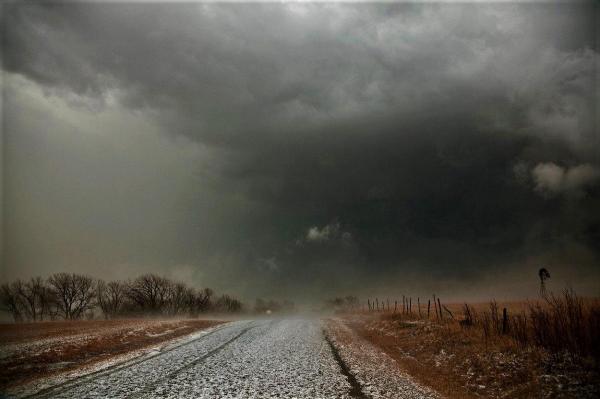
pixel 395 305
pixel 504 321
pixel 428 307
pixel 440 305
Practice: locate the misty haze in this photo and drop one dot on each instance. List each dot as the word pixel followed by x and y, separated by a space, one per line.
pixel 300 200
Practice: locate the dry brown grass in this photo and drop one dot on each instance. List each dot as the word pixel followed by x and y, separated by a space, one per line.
pixel 512 306
pixel 559 323
pixel 444 358
pixel 34 350
pixel 549 348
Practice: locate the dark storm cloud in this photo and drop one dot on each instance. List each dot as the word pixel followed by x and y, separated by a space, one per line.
pixel 420 133
pixel 223 73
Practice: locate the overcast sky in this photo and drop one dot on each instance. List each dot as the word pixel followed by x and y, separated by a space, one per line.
pixel 304 150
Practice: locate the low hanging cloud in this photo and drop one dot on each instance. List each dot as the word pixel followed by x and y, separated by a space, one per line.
pixel 551 179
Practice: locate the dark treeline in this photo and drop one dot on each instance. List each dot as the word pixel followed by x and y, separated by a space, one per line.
pixel 74 296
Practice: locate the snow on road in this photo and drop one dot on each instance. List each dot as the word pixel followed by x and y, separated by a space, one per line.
pixel 287 358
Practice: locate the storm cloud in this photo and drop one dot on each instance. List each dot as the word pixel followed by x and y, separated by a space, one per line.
pixel 304 149
pixel 551 179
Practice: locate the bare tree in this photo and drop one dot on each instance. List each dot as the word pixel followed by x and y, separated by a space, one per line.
pixel 149 293
pixel 203 300
pixel 111 297
pixel 48 302
pixel 25 300
pixel 180 299
pixel 31 300
pixel 228 304
pixel 33 294
pixel 10 301
pixel 74 294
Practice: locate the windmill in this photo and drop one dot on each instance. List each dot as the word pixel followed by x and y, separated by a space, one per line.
pixel 544 274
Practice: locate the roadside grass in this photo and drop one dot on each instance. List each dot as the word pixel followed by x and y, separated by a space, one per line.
pixel 547 348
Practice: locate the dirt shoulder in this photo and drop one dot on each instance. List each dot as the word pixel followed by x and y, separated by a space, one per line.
pixel 460 364
pixel 29 351
pixel 377 374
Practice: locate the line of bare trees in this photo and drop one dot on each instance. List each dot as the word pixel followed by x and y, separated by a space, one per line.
pixel 74 296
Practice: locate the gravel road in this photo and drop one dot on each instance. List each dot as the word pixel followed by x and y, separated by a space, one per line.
pixel 286 358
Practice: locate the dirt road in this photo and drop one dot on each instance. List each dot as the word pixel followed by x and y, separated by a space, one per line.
pixel 286 358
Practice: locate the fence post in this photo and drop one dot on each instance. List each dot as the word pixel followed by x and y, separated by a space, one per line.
pixel 504 321
pixel 428 307
pixel 440 305
pixel 395 305
pixel 377 302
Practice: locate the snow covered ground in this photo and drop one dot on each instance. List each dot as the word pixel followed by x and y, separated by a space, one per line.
pixel 281 358
pixel 376 372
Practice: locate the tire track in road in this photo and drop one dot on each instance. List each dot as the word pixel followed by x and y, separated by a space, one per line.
pixel 287 357
pixel 377 373
pixel 281 358
pixel 355 388
pixel 144 392
pixel 66 386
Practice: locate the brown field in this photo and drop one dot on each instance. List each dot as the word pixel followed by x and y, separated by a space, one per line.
pixel 553 355
pixel 29 351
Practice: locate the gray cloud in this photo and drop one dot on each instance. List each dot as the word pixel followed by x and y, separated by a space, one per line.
pixel 316 234
pixel 212 137
pixel 328 232
pixel 216 73
pixel 551 179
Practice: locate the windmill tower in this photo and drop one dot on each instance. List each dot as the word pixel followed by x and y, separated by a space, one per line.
pixel 544 275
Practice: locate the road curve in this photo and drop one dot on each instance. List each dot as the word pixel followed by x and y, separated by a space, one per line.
pixel 287 358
